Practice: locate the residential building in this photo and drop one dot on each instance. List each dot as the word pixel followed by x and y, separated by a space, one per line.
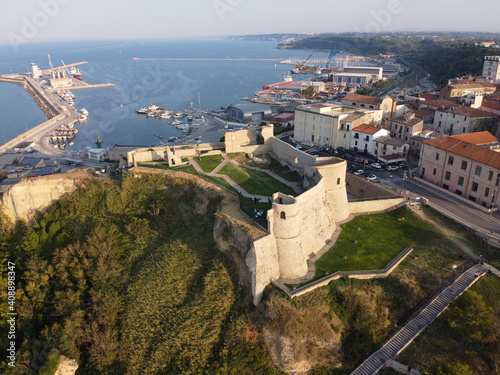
pixel 464 87
pixel 387 104
pixel 406 127
pixel 362 138
pixel 467 165
pixel 417 139
pixel 491 68
pixel 328 125
pixel 464 119
pixel 387 146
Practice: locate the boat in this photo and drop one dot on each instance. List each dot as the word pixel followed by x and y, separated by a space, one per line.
pixel 159 136
pixel 142 110
pixel 176 123
pixel 166 115
pixel 84 115
pixel 75 72
pixel 286 81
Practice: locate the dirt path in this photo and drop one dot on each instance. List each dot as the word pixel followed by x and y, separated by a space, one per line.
pixel 449 233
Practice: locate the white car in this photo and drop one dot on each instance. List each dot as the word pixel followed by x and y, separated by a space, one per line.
pixel 358 172
pixel 376 165
pixel 392 168
pixel 371 177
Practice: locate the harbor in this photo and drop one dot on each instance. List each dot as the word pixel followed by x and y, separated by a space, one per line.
pixel 50 89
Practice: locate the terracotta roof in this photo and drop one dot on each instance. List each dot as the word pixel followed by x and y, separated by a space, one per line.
pixel 282 117
pixel 354 116
pixel 469 84
pixel 470 112
pixel 477 138
pixel 363 99
pixel 490 104
pixel 496 98
pixel 438 103
pixel 390 141
pixel 428 96
pixel 367 129
pixel 467 150
pixel 424 112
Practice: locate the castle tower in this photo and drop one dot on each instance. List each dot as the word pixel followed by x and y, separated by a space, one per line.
pixel 491 68
pixel 285 223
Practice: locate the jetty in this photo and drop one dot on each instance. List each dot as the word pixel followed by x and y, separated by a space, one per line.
pixel 43 86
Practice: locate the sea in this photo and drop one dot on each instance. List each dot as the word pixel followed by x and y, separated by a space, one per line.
pixel 171 84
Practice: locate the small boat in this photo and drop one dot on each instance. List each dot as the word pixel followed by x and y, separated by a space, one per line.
pixel 142 110
pixel 159 136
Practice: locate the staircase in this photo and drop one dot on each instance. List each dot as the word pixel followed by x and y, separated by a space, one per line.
pixel 412 329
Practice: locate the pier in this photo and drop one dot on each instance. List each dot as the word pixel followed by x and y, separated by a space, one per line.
pixel 60 114
pixel 200 59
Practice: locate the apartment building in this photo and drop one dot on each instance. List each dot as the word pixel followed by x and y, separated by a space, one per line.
pixel 468 165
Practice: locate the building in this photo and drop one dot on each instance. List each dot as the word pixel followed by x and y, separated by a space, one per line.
pixel 468 165
pixel 60 83
pixel 99 154
pixel 491 68
pixel 249 112
pixel 326 125
pixel 283 118
pixel 417 139
pixel 406 127
pixel 465 87
pixel 387 146
pixel 317 86
pixel 464 119
pixel 387 104
pixel 362 138
pixel 358 75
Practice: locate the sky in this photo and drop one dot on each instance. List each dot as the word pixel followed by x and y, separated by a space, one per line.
pixel 32 21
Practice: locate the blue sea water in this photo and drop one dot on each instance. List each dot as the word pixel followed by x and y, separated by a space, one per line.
pixel 173 85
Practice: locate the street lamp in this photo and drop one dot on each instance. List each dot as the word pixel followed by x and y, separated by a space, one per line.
pixel 405 176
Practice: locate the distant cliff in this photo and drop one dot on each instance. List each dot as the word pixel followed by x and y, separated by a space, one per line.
pixel 22 200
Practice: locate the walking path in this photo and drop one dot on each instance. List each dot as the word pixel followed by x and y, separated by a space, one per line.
pixel 412 329
pixel 226 161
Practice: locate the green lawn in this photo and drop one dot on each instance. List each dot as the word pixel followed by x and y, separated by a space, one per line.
pixel 240 157
pixel 248 206
pixel 155 165
pixel 255 182
pixel 370 242
pixel 280 170
pixel 209 163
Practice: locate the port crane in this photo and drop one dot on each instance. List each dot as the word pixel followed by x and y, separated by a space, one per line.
pixel 330 63
pixel 301 64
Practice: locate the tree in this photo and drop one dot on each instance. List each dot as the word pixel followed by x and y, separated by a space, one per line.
pixel 471 316
pixel 452 369
pixel 308 93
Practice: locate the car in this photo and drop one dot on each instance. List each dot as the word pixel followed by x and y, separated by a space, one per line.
pixel 358 172
pixel 371 177
pixel 402 165
pixel 392 168
pixel 341 149
pixel 376 165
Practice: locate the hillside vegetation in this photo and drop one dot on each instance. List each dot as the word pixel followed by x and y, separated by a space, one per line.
pixel 443 57
pixel 126 280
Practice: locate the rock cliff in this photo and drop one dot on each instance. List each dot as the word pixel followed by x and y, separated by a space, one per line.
pixel 22 200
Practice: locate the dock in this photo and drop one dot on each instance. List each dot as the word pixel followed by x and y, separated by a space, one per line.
pixel 60 115
pixel 200 59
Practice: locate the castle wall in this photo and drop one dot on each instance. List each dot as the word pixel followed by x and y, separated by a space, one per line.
pixel 373 206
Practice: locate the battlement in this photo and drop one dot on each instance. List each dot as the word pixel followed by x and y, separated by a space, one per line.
pixel 492 58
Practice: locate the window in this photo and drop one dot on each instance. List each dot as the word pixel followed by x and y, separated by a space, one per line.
pixel 460 181
pixel 486 191
pixel 437 156
pixel 347 127
pixel 366 145
pixel 434 171
pixel 450 160
pixel 464 165
pixel 341 126
pixel 282 215
pixel 447 175
pixel 396 127
pixel 498 180
pixel 338 181
pixel 490 175
pixel 463 129
pixel 474 186
pixel 355 143
pixel 478 170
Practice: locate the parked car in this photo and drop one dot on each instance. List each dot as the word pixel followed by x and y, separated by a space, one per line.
pixel 392 168
pixel 371 177
pixel 402 165
pixel 341 149
pixel 376 165
pixel 358 172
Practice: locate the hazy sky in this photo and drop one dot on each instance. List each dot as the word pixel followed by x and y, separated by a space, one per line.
pixel 30 21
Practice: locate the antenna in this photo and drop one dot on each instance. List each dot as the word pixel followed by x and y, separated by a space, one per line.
pixel 50 63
